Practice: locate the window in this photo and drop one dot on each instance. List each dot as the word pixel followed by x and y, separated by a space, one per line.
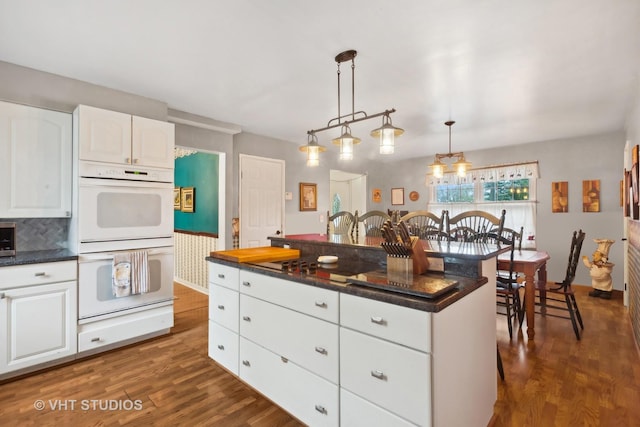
pixel 487 190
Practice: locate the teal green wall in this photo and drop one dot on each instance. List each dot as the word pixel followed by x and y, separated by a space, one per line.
pixel 200 170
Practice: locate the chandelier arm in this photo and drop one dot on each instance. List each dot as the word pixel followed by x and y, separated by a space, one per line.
pixel 348 122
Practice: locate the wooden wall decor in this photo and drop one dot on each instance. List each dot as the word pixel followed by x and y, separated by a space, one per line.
pixel 376 195
pixel 591 195
pixel 635 191
pixel 559 196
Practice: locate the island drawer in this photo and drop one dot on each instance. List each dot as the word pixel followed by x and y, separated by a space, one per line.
pixel 307 299
pixel 224 275
pixel 223 346
pixel 309 342
pixel 224 306
pixel 391 376
pixel 313 400
pixel 37 274
pixel 358 412
pixel 392 322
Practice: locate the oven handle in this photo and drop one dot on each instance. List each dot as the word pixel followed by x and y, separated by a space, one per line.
pixel 105 256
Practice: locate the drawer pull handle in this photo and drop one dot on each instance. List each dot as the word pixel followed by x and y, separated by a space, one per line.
pixel 379 375
pixel 220 347
pixel 220 276
pixel 40 274
pixel 246 318
pixel 321 350
pixel 378 320
pixel 321 409
pixel 221 307
pixel 96 339
pixel 321 304
pixel 1 295
pixel 246 283
pixel 284 359
pixel 246 363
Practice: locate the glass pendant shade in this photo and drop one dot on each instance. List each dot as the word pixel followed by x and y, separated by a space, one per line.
pixel 313 150
pixel 438 168
pixel 461 166
pixel 387 134
pixel 346 142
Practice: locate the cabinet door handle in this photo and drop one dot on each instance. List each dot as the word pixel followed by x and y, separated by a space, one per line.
pixel 246 318
pixel 220 347
pixel 284 359
pixel 1 295
pixel 40 274
pixel 96 339
pixel 379 375
pixel 321 350
pixel 246 363
pixel 321 304
pixel 378 320
pixel 221 307
pixel 127 160
pixel 220 276
pixel 246 283
pixel 321 409
pixel 135 161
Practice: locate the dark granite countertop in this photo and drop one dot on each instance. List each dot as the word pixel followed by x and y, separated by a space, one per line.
pixel 340 283
pixel 36 257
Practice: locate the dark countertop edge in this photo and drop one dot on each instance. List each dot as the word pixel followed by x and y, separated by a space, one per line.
pixel 487 250
pixel 37 257
pixel 465 287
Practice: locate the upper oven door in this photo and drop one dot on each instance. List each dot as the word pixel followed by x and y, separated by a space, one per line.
pixel 112 210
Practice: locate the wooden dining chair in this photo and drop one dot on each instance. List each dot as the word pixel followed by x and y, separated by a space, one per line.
pixel 507 287
pixel 475 225
pixel 426 225
pixel 372 222
pixel 342 223
pixel 554 298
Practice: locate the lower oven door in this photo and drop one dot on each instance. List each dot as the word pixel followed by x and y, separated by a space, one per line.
pixel 95 290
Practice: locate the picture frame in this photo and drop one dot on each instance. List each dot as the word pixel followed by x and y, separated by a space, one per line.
pixel 308 196
pixel 591 195
pixel 177 200
pixel 376 195
pixel 188 199
pixel 397 196
pixel 560 197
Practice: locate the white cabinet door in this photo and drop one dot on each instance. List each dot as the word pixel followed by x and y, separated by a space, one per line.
pixel 152 143
pixel 39 324
pixel 103 135
pixel 35 162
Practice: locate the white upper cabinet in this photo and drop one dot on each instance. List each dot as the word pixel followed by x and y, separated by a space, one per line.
pixel 112 137
pixel 35 162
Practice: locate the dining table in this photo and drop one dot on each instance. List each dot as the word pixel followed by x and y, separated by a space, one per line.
pixel 530 263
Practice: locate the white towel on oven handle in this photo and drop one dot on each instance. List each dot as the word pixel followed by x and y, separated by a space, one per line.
pixel 139 272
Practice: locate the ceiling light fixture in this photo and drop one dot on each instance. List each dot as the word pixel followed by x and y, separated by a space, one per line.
pixel 313 150
pixel 386 133
pixel 460 166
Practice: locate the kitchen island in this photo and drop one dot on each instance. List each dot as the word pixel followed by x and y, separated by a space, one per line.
pixel 333 351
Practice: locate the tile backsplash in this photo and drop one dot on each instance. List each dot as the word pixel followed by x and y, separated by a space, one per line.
pixel 36 234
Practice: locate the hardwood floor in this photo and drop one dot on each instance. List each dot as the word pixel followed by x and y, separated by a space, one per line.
pixel 553 381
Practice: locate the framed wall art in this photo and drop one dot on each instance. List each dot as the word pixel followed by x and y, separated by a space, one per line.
pixel 177 203
pixel 559 196
pixel 376 195
pixel 397 196
pixel 591 195
pixel 308 196
pixel 188 199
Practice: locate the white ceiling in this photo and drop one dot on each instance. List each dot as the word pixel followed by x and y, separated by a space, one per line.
pixel 508 72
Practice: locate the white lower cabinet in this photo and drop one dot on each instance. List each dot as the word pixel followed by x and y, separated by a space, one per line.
pixel 38 308
pixel 223 346
pixel 358 412
pixel 311 399
pixel 224 302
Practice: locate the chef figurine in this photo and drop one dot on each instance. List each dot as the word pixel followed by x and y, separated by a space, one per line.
pixel 600 269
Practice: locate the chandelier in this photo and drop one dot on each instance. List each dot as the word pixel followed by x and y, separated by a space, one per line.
pixel 460 166
pixel 386 133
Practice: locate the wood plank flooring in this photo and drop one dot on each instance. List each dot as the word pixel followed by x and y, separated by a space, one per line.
pixel 553 381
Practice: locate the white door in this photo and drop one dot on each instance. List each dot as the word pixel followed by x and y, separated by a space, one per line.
pixel 261 200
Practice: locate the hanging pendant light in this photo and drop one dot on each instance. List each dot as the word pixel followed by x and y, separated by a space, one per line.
pixel 387 134
pixel 313 150
pixel 346 142
pixel 461 166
